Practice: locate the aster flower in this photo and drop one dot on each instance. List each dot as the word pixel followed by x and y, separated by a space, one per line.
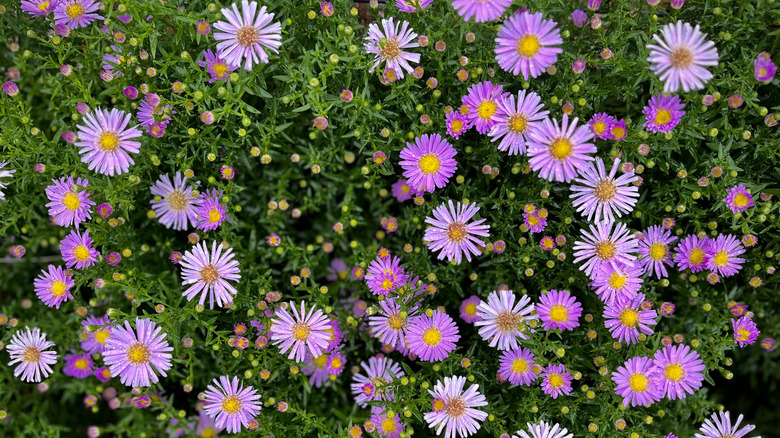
pixel 514 121
pixel 655 251
pixel 763 68
pixel 663 113
pixel 315 368
pixel 217 67
pixel 39 7
pixel 69 205
pixel 738 199
pixel 210 214
pixel 174 203
pixel 401 190
pixel 722 257
pixel 335 365
pixel 412 6
pixel 637 382
pixel 385 276
pixel 300 332
pixel 152 113
pixel 468 309
pixel 615 280
pixel 745 331
pixel 77 250
pixel 558 310
pixel 28 348
pixel 105 141
pixel 76 13
pixel 692 253
pixel 557 150
pixel 527 44
pixel 535 220
pixel 454 410
pixel 482 102
pixel 4 173
pixel 208 274
pixel 600 124
pixel 481 10
pixel 680 369
pixel 428 163
pixel 79 366
pixel 387 325
pixel 457 124
pixel 625 320
pixel 388 43
pixel 603 245
pixel 517 366
pixel 132 354
pixel 544 430
pixel 338 270
pixel 387 427
pixel 379 371
pixel 230 404
pixel 719 426
pixel 96 333
pixel 603 197
pixel 556 380
pixel 452 235
pixel 246 35
pixel 432 338
pixel 503 321
pixel 680 57
pixel 53 286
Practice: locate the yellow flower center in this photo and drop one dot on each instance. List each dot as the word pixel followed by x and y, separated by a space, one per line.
pixel 208 432
pixel 599 127
pixel 618 132
pixel 81 364
pixel 517 123
pixel 638 382
pixel 696 257
pixel 31 354
pixel 58 288
pixel 519 365
pixel 138 353
pixel 438 404
pixel 209 274
pixel 81 253
pixel 456 231
pixel 528 46
pixel 43 6
pixel 628 317
pixel 605 250
pixel 486 109
pixel 559 313
pixel 429 163
pixel 395 322
pixel 470 309
pixel 761 71
pixel 391 50
pixel 740 200
pixel 721 259
pixel 387 284
pixel 231 404
pixel 617 281
pixel 662 117
pixel 75 11
pixel 247 36
pixel 432 337
pixel 71 201
pixel 320 361
pixel 743 334
pixel 457 126
pixel 681 57
pixel 605 190
pixel 560 149
pixel 556 380
pixel 673 372
pixel 533 220
pixel 220 69
pixel 657 251
pixel 388 425
pixel 109 141
pixel 301 331
pixel 214 216
pixel 101 336
pixel 335 363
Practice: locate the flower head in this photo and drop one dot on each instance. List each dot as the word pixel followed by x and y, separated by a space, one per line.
pixel 230 404
pixel 544 430
pixel 637 382
pixel 79 366
pixel 468 309
pixel 601 124
pixel 432 338
pixel 77 250
pixel 738 199
pixel 105 141
pixel 174 204
pixel 655 250
pixel 96 333
pixel 515 120
pixel 388 325
pixel 680 369
pixel 53 286
pixel 5 173
pixel 385 275
pixel 457 124
pixel 613 280
pixel 719 426
pixel 502 321
pixel 692 253
pixel 300 332
pixel 601 196
pixel 70 203
pixel 210 214
pixel 247 35
pixel 76 13
pixel 607 242
pixel 209 273
pixel 455 410
pixel 28 348
pixel 451 233
pixel 481 10
pixel 680 57
pixel 764 69
pixel 663 113
pixel 556 151
pixel 624 318
pixel 556 380
pixel 412 6
pixel 527 44
pixel 379 371
pixel 745 331
pixel 722 258
pixel 429 163
pixel 558 310
pixel 517 366
pixel 39 7
pixel 131 354
pixel 388 45
pixel 483 100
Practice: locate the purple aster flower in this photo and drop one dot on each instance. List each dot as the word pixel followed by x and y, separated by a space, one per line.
pixel 4 173
pixel 76 13
pixel 454 410
pixel 763 68
pixel 39 7
pixel 412 6
pixel 617 131
pixel 315 369
pixel 432 338
pixel 28 349
pixel 663 113
pixel 216 66
pixel 517 366
pixel 210 214
pixel 379 371
pixel 557 150
pixel 600 124
pixel 738 199
pixel 502 321
pixel 558 310
pixel 579 17
pixel 625 319
pixel 603 245
pixel 132 354
pixel 680 57
pixel 745 331
pixel 457 124
pixel 401 190
pixel 615 280
pixel 388 43
pixel 692 253
pixel 113 60
pixel 637 382
pixel 77 250
pixel 556 380
pixel 602 197
pixel 338 270
pixel 655 251
pixel 719 426
pixel 534 219
pixel 384 275
pixel 151 112
pixel 300 332
pixel 515 121
pixel 527 44
pixel 209 273
pixel 103 374
pixel 680 369
pixel 468 309
pixel 335 365
pixel 105 141
pixel 96 333
pixel 246 35
pixel 429 163
pixel 544 430
pixel 452 235
pixel 482 101
pixel 481 10
pixel 387 427
pixel 173 202
pixel 722 257
pixel 53 286
pixel 388 325
pixel 69 205
pixel 79 366
pixel 230 404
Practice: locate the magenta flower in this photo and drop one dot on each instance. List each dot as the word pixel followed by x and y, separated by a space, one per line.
pixel 457 124
pixel 527 44
pixel 601 124
pixel 557 150
pixel 481 10
pixel 136 356
pixel 601 196
pixel 680 57
pixel 452 235
pixel 39 7
pixel 429 163
pixel 482 101
pixel 468 309
pixel 692 253
pixel 173 204
pixel 77 250
pixel 517 366
pixel 246 35
pixel 502 321
pixel 379 371
pixel 401 190
pixel 579 17
pixel 738 199
pixel 558 310
pixel 384 275
pixel 603 245
pixel 105 141
pixel 387 427
pixel 625 319
pixel 745 331
pixel 79 366
pixel 97 331
pixel 230 404
pixel 556 380
pixel 764 69
pixel 210 214
pixel 387 325
pixel 151 113
pixel 515 121
pixel 655 251
pixel 680 369
pixel 432 338
pixel 615 280
pixel 388 45
pixel 300 332
pixel 722 258
pixel 53 286
pixel 637 382
pixel 663 113
pixel 412 6
pixel 76 13
pixel 208 274
pixel 719 426
pixel 28 348
pixel 70 203
pixel 455 410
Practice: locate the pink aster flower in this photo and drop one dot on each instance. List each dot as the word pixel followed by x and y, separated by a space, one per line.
pixel 53 286
pixel 152 113
pixel 388 325
pixel 764 69
pixel 105 141
pixel 97 331
pixel 544 430
pixel 680 57
pixel 468 309
pixel 335 365
pixel 300 332
pixel 663 113
pixel 601 196
pixel 76 13
pixel 209 273
pixel 615 280
pixel 70 203
pixel 514 121
pixel 28 348
pixel 656 251
pixel 452 235
pixel 624 318
pixel 680 369
pixel 719 426
pixel 556 380
pixel 315 369
pixel 230 404
pixel 722 258
pixel 132 354
pixel 412 6
pixel 481 10
pixel 387 427
pixel 432 338
pixel 745 331
pixel 379 372
pixel 429 163
pixel 600 124
pixel 607 242
pixel 738 199
pixel 174 204
pixel 517 366
pixel 534 219
pixel 502 321
pixel 637 382
pixel 457 124
pixel 388 45
pixel 39 7
pixel 617 131
pixel 246 35
pixel 482 101
pixel 79 366
pixel 558 310
pixel 527 44
pixel 401 190
pixel 455 410
pixel 692 253
pixel 384 275
pixel 556 151
pixel 210 214
pixel 77 250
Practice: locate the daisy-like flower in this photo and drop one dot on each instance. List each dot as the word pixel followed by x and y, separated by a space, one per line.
pixel 527 44
pixel 517 366
pixel 39 7
pixel 174 203
pixel 379 372
pixel 429 163
pixel 615 280
pixel 402 191
pixel 79 366
pixel 218 68
pixel 603 197
pixel 53 286
pixel 468 309
pixel 515 119
pixel 385 276
pixel 387 427
pixel 601 124
pixel 482 101
pixel 663 113
pixel 132 354
pixel 452 235
pixel 722 258
pixel 680 57
pixel 481 10
pixel 655 251
pixel 680 369
pixel 230 404
pixel 544 430
pixel 105 141
pixel 603 245
pixel 338 270
pixel 335 365
pixel 625 319
pixel 70 203
pixel 388 45
pixel 246 35
pixel 208 274
pixel 692 253
pixel 719 426
pixel 745 331
pixel 77 250
pixel 503 321
pixel 617 131
pixel 432 338
pixel 455 410
pixel 76 13
pixel 300 332
pixel 210 214
pixel 388 325
pixel 457 124
pixel 534 219
pixel 151 112
pixel 28 348
pixel 558 310
pixel 738 199
pixel 764 69
pixel 315 368
pixel 556 151
pixel 412 6
pixel 96 333
pixel 556 380
pixel 637 382
pixel 4 173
